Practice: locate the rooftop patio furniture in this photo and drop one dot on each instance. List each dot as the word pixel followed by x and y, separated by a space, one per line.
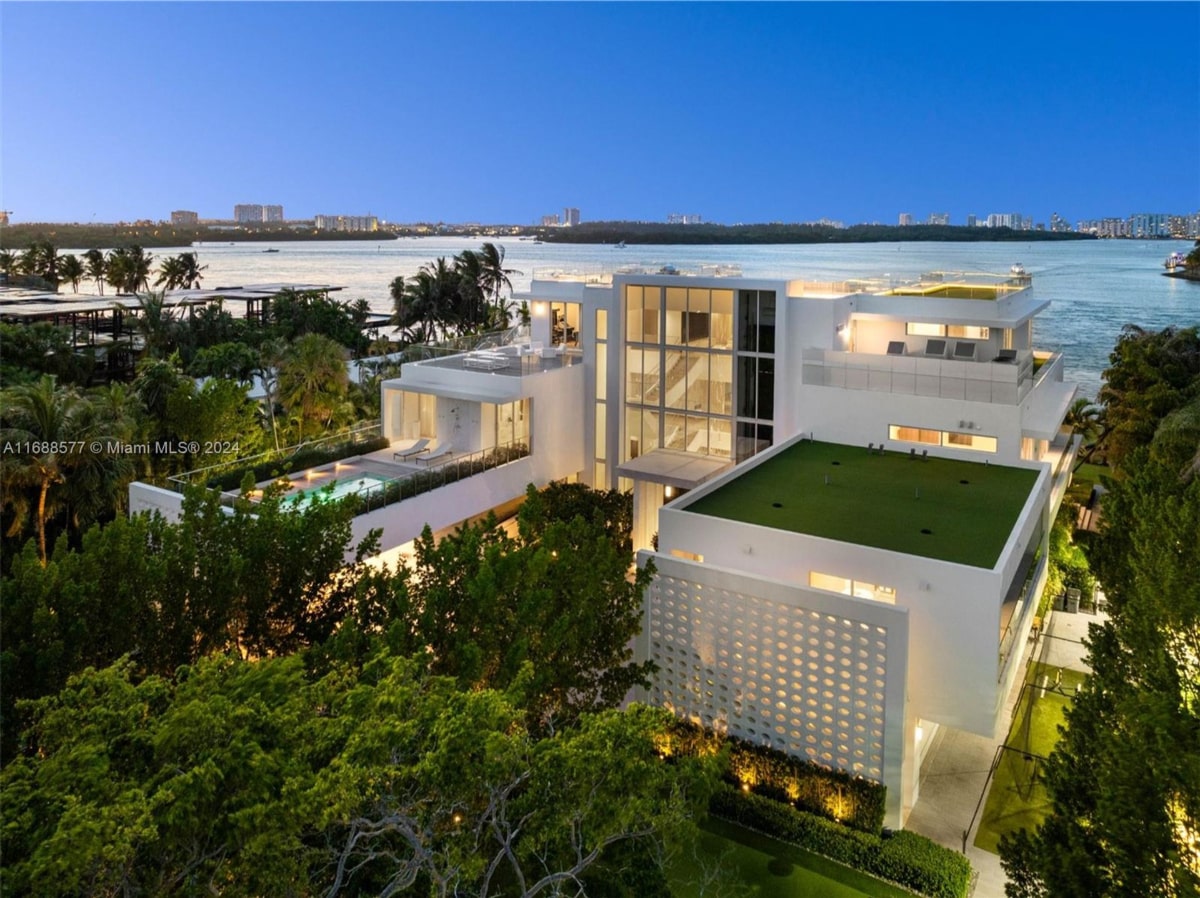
pixel 414 450
pixel 935 348
pixel 964 351
pixel 896 347
pixel 439 455
pixel 486 360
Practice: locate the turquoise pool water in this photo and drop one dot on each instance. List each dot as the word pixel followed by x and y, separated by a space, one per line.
pixel 361 485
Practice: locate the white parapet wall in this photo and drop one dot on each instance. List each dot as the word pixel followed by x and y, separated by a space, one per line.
pixel 144 497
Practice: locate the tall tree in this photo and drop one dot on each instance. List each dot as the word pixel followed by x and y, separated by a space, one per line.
pixel 96 267
pixel 313 381
pixel 496 280
pixel 156 323
pixel 1151 373
pixel 71 270
pixel 52 428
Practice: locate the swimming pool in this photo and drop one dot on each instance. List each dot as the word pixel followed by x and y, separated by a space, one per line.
pixel 360 485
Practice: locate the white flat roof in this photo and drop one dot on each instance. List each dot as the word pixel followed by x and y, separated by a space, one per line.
pixel 1047 408
pixel 673 467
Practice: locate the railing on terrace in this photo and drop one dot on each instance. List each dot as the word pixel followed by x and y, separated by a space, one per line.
pixel 603 274
pixel 406 486
pixel 343 444
pixel 1002 383
pixel 1015 620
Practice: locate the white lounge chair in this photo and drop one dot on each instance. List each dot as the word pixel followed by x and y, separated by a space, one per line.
pixel 437 455
pixel 415 449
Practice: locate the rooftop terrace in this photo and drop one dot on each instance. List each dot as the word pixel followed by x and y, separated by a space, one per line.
pixel 956 511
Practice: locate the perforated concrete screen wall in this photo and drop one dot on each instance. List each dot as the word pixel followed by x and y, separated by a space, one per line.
pixel 817 676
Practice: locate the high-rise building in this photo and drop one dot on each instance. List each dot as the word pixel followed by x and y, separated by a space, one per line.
pixel 905 219
pixel 939 218
pixel 272 213
pixel 678 218
pixel 971 221
pixel 184 217
pixel 1149 224
pixel 346 223
pixel 550 221
pixel 247 213
pixel 1058 224
pixel 570 216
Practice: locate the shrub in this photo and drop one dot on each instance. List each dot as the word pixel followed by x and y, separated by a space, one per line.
pixel 833 794
pixel 905 858
pixel 304 457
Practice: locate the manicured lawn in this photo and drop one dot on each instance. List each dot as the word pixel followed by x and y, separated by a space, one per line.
pixel 1017 798
pixel 953 511
pixel 772 869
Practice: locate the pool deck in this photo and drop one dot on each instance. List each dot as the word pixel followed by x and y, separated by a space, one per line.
pixel 379 464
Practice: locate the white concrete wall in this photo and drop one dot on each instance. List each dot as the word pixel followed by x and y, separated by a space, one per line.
pixel 143 497
pixel 773 663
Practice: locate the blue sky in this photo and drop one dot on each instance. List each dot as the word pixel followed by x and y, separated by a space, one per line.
pixel 500 112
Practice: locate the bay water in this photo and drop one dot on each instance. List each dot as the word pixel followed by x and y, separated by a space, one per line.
pixel 1095 286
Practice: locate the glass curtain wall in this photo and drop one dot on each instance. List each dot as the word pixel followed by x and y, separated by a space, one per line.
pixel 678 370
pixel 755 372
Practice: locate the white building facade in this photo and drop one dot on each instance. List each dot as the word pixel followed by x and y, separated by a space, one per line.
pixel 677 384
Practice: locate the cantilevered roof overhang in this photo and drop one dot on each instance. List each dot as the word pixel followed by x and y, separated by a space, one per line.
pixel 1048 404
pixel 1006 313
pixel 672 467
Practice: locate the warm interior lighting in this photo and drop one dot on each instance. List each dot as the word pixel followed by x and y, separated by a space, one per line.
pixel 539 308
pixel 669 492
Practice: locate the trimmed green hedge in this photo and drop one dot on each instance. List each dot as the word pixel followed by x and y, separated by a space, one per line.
pixel 836 795
pixel 305 457
pixel 905 858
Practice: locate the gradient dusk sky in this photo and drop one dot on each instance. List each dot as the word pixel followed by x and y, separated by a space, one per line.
pixel 498 112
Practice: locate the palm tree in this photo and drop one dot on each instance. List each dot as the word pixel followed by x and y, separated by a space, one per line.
pixel 71 269
pixel 495 278
pixel 53 421
pixel 170 273
pixel 99 482
pixel 95 268
pixel 270 356
pixel 9 262
pixel 128 269
pixel 313 379
pixel 155 323
pixel 471 306
pixel 179 271
pixel 191 270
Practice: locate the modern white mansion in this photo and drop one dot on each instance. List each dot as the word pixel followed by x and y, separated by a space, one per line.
pixel 812 593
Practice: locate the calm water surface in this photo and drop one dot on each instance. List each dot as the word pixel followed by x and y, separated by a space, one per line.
pixel 1096 286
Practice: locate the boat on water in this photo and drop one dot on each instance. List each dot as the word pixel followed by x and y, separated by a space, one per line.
pixel 620 245
pixel 1175 260
pixel 1018 269
pixel 270 250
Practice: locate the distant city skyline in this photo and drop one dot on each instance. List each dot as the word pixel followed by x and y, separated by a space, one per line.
pixel 728 112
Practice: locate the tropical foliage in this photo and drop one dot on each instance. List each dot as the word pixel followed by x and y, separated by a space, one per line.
pixel 1124 781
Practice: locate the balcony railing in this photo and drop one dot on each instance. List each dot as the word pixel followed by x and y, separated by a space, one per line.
pixel 1003 383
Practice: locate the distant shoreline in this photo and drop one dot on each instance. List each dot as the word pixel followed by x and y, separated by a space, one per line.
pixel 85 236
pixel 1183 274
pixel 635 233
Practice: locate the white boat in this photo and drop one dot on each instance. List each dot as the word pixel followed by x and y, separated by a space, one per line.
pixel 1018 269
pixel 620 245
pixel 1175 260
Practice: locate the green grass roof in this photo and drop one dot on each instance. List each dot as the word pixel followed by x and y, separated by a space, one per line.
pixel 954 511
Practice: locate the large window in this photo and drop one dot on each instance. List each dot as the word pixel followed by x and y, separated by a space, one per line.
pixel 678 369
pixel 564 323
pixel 755 410
pixel 956 331
pixel 848 587
pixel 948 438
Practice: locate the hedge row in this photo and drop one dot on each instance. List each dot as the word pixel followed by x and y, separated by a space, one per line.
pixel 905 858
pixel 834 794
pixel 451 472
pixel 305 457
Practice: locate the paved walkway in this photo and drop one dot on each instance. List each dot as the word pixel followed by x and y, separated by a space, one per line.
pixel 956 768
